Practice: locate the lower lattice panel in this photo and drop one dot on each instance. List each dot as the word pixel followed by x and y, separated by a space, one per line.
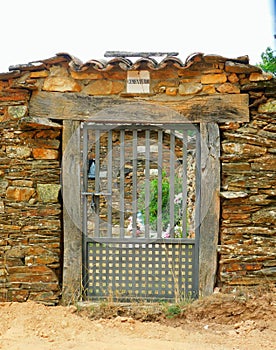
pixel 129 271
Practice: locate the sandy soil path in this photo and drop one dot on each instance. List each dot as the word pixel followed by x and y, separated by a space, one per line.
pixel 34 326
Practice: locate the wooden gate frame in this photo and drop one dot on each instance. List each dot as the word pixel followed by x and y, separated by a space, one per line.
pixel 208 112
pixel 72 219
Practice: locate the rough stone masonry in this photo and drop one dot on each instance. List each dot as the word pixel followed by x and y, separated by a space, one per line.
pixel 31 210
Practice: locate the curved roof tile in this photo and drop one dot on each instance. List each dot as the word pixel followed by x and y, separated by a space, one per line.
pixel 150 63
pixel 172 60
pixel 123 63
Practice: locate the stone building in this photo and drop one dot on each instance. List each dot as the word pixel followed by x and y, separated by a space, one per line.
pixel 48 111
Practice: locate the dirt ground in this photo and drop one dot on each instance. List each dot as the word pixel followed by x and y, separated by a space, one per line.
pixel 221 322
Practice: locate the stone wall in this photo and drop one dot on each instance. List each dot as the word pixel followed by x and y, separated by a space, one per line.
pixel 247 253
pixel 30 211
pixel 31 236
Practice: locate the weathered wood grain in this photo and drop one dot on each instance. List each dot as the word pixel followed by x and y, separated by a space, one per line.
pixel 72 241
pixel 210 207
pixel 212 108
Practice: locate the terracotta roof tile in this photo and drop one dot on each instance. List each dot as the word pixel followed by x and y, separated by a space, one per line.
pixel 123 63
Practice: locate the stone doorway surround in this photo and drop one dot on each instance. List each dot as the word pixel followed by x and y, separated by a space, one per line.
pixel 209 90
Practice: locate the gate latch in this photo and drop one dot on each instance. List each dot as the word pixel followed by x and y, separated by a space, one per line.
pixel 95 201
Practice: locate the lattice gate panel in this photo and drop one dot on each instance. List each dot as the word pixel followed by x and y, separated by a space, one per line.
pixel 133 271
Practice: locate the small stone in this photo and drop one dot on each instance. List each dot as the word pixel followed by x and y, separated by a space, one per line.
pixel 39 74
pixel 233 78
pixel 246 149
pixel 260 199
pixel 19 194
pixel 39 123
pixel 230 126
pixel 228 88
pixel 104 87
pixel 42 153
pixel 72 309
pixel 47 134
pixel 189 88
pixel 16 252
pixel 238 325
pixel 163 85
pixel 234 67
pixel 17 111
pixel 2 207
pixel 64 324
pixel 21 152
pixel 270 271
pixel 265 216
pixel 236 167
pixel 22 183
pixel 171 91
pixel 213 78
pixel 236 216
pixel 61 84
pixel 260 76
pixel 268 107
pixel 3 186
pixel 32 201
pixel 86 75
pixel 190 80
pixel 263 167
pixel 58 71
pixel 160 89
pixel 209 89
pixel 48 192
pixel 232 195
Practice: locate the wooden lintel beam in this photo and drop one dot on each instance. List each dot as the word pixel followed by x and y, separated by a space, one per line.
pixel 218 108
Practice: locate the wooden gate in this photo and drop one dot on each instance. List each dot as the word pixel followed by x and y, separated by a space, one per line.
pixel 141 208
